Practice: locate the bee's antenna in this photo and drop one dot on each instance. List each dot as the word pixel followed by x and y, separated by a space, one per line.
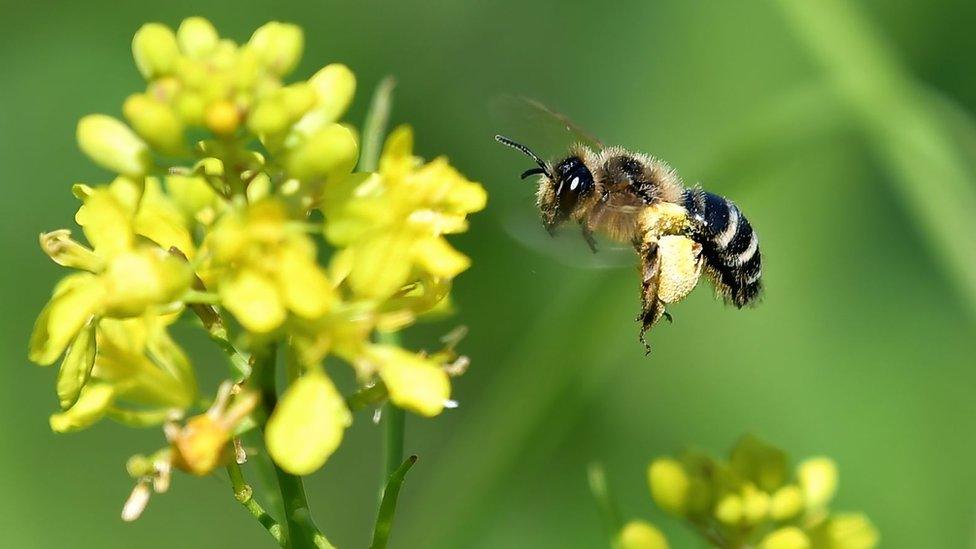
pixel 543 167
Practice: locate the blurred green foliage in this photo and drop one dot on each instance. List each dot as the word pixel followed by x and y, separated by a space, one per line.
pixel 844 131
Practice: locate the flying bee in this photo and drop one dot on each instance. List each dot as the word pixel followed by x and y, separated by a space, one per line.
pixel 677 232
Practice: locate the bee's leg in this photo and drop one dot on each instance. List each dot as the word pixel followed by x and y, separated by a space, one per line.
pixel 651 307
pixel 667 315
pixel 588 236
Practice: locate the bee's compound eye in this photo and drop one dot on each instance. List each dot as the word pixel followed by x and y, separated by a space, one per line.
pixel 573 181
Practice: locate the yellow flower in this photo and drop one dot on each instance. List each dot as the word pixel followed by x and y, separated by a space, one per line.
pixel 126 279
pixel 847 531
pixel 130 370
pixel 392 223
pixel 264 267
pixel 638 534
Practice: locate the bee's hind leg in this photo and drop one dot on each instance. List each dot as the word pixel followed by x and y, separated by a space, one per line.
pixel 652 308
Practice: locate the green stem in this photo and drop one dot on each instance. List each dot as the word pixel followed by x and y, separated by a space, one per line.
pixel 384 518
pixel 301 530
pixel 601 493
pixel 393 432
pixel 375 127
pixel 245 495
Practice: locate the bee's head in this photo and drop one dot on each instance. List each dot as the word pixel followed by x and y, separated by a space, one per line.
pixel 563 186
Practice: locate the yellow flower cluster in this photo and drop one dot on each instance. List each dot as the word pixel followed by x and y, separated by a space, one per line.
pixel 754 499
pixel 236 200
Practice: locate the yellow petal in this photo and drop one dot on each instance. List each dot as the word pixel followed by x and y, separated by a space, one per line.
pixel 139 279
pixel 638 534
pixel 818 480
pixel 161 221
pixel 75 300
pixel 438 258
pixel 789 537
pixel 155 50
pixel 670 485
pixel 94 401
pixel 200 444
pixel 113 146
pixel 414 382
pixel 307 425
pixel 381 265
pixel 397 158
pixel 77 366
pixel 254 300
pixel 105 223
pixel 304 287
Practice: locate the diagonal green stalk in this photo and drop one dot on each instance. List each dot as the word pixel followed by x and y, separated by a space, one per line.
pixel 384 518
pixel 245 495
pixel 907 131
pixel 301 532
pixel 597 478
pixel 375 127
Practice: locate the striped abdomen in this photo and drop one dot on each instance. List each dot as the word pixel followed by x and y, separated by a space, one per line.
pixel 730 246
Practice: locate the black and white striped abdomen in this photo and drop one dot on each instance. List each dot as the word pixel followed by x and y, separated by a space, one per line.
pixel 730 246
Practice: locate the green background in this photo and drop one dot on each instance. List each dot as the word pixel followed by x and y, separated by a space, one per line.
pixel 843 130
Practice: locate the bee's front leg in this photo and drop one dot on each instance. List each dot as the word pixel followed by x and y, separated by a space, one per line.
pixel 588 236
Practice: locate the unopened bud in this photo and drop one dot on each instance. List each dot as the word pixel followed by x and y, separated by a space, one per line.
pixel 155 50
pixel 112 145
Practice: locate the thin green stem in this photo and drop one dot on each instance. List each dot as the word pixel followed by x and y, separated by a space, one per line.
pixel 301 530
pixel 393 432
pixel 601 493
pixel 376 121
pixel 245 495
pixel 384 518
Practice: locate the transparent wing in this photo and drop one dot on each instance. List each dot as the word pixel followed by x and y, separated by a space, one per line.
pixel 567 246
pixel 544 129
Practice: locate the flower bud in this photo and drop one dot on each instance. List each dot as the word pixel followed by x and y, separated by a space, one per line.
pixel 670 485
pixel 818 480
pixel 331 152
pixel 790 537
pixel 112 145
pixel 638 534
pixel 755 504
pixel 787 502
pixel 155 50
pixel 847 531
pixel 197 37
pixel 278 46
pixel 155 122
pixel 222 117
pixel 335 86
pixel 729 510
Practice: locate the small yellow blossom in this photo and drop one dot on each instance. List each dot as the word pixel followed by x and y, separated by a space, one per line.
pixel 264 266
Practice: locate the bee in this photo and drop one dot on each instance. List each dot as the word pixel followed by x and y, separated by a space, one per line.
pixel 677 232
